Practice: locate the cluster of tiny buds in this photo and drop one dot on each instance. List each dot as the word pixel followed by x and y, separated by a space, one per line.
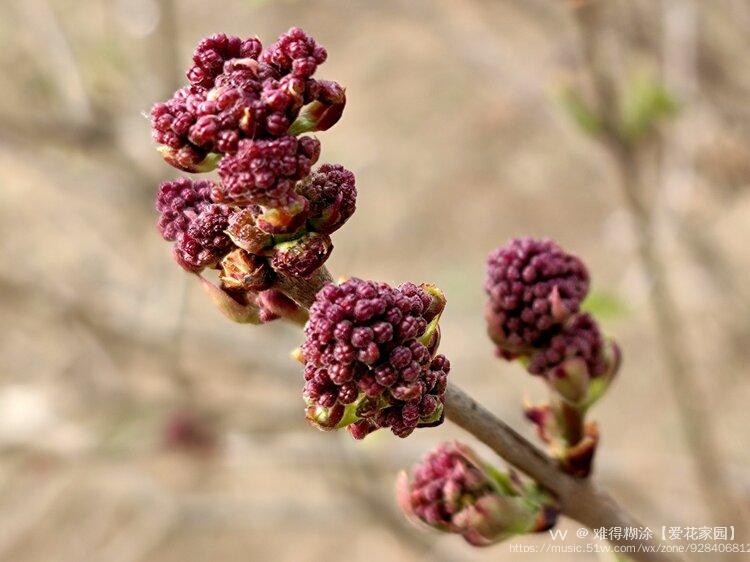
pixel 535 293
pixel 207 233
pixel 579 338
pixel 266 172
pixel 453 490
pixel 270 213
pixel 533 287
pixel 370 358
pixel 444 483
pixel 240 91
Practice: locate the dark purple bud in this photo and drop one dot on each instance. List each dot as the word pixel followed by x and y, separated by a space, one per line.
pixel 323 111
pixel 533 287
pixel 332 195
pixel 351 337
pixel 453 490
pixel 264 172
pixel 301 257
pixel 573 356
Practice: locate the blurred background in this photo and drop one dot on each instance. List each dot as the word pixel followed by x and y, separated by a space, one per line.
pixel 137 424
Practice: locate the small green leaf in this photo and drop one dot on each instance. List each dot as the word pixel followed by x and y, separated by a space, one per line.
pixel 604 305
pixel 646 103
pixel 579 111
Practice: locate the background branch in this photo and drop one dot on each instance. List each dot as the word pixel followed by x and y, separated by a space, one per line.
pixel 695 419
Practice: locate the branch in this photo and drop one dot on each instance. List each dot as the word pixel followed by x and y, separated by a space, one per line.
pixel 303 291
pixel 580 499
pixel 695 421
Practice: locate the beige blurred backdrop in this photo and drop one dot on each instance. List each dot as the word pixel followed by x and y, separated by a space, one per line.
pixel 458 141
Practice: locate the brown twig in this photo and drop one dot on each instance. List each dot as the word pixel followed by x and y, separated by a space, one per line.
pixel 696 422
pixel 580 499
pixel 303 291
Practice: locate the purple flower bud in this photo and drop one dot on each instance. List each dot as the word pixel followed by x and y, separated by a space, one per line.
pixel 236 93
pixel 302 256
pixel 533 287
pixel 178 202
pixel 351 340
pixel 453 490
pixel 332 196
pixel 208 229
pixel 326 103
pixel 212 52
pixel 196 226
pixel 571 357
pixel 265 172
pixel 294 52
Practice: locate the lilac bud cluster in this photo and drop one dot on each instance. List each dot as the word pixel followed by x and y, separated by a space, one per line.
pixel 535 292
pixel 579 339
pixel 332 196
pixel 244 111
pixel 370 358
pixel 195 224
pixel 239 91
pixel 453 491
pixel 212 52
pixel 533 313
pixel 295 53
pixel 444 483
pixel 265 172
pixel 533 287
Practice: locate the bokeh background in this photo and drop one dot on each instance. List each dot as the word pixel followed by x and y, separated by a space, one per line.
pixel 455 130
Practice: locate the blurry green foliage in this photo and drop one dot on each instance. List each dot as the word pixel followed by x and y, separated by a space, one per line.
pixel 645 103
pixel 605 306
pixel 579 111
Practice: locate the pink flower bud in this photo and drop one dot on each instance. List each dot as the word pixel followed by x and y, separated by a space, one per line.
pixel 362 352
pixel 453 490
pixel 533 287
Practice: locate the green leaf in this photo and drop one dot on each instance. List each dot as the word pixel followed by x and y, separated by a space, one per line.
pixel 579 111
pixel 646 103
pixel 605 306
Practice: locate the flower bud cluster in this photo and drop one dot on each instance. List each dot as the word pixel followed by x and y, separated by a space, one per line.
pixel 244 111
pixel 533 287
pixel 239 91
pixel 453 491
pixel 370 358
pixel 195 224
pixel 533 314
pixel 535 292
pixel 579 340
pixel 266 172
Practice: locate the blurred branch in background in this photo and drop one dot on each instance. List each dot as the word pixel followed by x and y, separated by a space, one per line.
pixel 681 53
pixel 83 123
pixel 631 148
